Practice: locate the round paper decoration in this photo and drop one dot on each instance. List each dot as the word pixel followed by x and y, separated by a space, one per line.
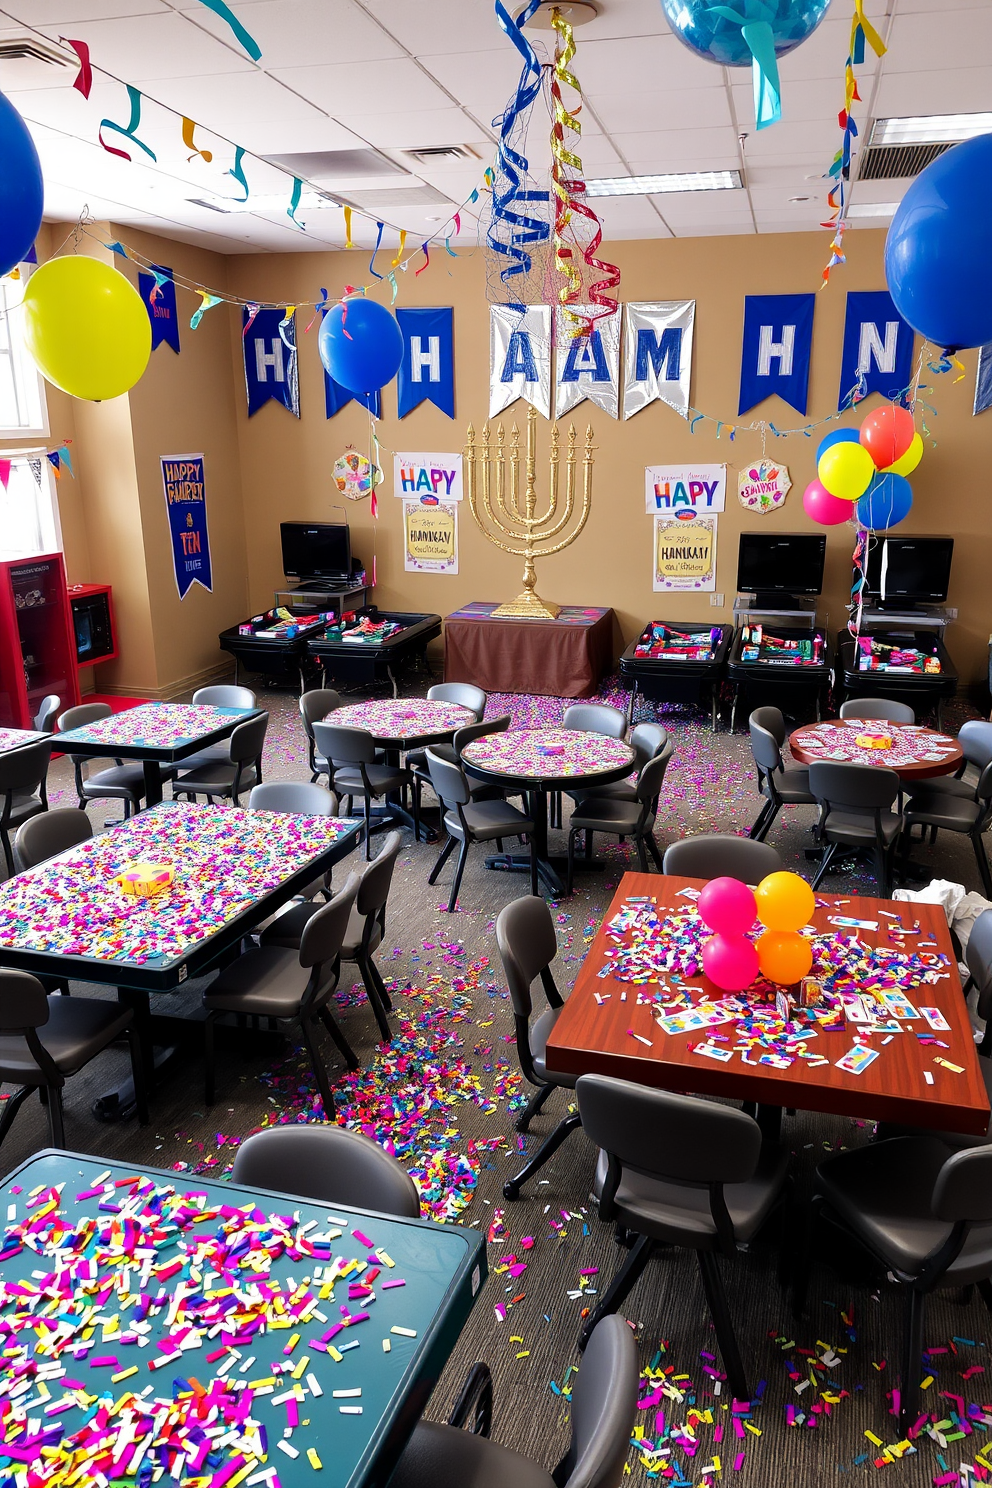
pixel 353 475
pixel 763 486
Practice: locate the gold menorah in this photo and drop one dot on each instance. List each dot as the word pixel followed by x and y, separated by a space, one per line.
pixel 492 474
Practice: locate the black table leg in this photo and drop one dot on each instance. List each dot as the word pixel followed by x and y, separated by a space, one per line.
pixel 153 782
pixel 117 1105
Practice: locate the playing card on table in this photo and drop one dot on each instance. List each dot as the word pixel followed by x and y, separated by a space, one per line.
pixel 897 1005
pixel 936 1019
pixel 857 1059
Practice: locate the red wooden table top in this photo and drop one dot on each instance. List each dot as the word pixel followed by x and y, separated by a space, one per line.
pixel 606 1037
pixel 914 752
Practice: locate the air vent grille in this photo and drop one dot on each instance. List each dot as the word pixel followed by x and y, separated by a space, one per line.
pixel 395 199
pixel 30 49
pixel 443 152
pixel 896 162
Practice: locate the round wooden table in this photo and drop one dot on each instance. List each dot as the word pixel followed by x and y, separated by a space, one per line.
pixel 914 752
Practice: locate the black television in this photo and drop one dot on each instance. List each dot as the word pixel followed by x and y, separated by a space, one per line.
pixel 776 565
pixel 316 550
pixel 909 570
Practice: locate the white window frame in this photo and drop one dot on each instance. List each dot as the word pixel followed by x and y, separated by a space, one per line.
pixel 50 515
pixel 27 379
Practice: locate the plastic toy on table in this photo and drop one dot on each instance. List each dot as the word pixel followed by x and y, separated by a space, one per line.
pixel 282 625
pixel 905 665
pixel 801 650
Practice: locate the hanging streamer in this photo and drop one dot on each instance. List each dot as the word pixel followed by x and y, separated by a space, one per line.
pixel 321 308
pixel 457 220
pixel 207 302
pixel 347 228
pixel 238 172
pixel 395 263
pixel 760 40
pixel 84 77
pixel 188 127
pixel 294 202
pixel 858 584
pixel 127 130
pixel 375 250
pixel 249 43
pixel 513 164
pixel 427 258
pixel 839 171
pixel 393 286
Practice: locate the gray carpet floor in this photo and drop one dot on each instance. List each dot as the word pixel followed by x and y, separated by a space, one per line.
pixel 449 1081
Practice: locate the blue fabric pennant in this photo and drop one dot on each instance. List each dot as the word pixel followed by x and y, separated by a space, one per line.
pixel 269 349
pixel 778 342
pixel 983 380
pixel 158 294
pixel 186 502
pixel 427 371
pixel 878 348
pixel 337 397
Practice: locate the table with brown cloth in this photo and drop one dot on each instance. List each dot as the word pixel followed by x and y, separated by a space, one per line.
pixel 566 657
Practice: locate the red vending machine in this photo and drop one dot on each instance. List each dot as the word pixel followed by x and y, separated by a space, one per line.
pixel 37 644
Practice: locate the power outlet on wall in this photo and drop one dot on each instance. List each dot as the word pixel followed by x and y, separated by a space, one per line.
pixel 952 614
pixel 716 600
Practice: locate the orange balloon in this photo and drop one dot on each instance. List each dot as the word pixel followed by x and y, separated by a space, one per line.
pixel 785 901
pixel 784 956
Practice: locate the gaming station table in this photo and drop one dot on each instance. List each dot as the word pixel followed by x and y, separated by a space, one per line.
pixel 677 662
pixel 274 644
pixel 565 658
pixel 789 667
pixel 375 646
pixel 906 666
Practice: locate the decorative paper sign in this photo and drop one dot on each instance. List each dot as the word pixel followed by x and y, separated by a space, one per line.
pixel 520 358
pixel 681 488
pixel 160 303
pixel 657 355
pixel 763 487
pixel 269 346
pixel 430 475
pixel 778 340
pixel 430 536
pixel 587 366
pixel 353 475
pixel 685 552
pixel 186 503
pixel 427 371
pixel 983 379
pixel 336 397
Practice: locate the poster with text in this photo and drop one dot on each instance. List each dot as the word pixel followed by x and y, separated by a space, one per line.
pixel 430 536
pixel 685 488
pixel 428 475
pixel 684 553
pixel 186 502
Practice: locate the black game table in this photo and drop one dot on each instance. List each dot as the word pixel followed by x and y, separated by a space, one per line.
pixel 771 679
pixel 672 677
pixel 273 647
pixel 924 692
pixel 362 663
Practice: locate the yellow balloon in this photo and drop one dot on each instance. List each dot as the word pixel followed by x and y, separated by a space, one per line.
pixel 846 470
pixel 908 462
pixel 86 327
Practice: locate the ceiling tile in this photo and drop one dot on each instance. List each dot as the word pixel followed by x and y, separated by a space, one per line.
pixel 483 90
pixel 638 111
pixel 448 126
pixel 232 103
pixel 71 12
pixel 442 26
pixel 955 38
pixel 655 65
pixel 966 89
pixel 154 46
pixel 396 86
pixel 289 31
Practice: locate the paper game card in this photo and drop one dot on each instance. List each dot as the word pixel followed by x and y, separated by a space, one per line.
pixel 713 1051
pixel 936 1019
pixel 897 1005
pixel 855 1010
pixel 887 1025
pixel 703 1016
pixel 858 1059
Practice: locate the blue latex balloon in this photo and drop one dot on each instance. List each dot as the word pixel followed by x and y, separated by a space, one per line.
pixel 360 345
pixel 22 191
pixel 836 436
pixel 939 248
pixel 885 503
pixel 704 30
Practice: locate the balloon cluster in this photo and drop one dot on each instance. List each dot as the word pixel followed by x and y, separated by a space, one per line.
pixel 862 472
pixel 784 903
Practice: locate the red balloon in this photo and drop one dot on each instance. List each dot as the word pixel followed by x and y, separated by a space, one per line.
pixel 828 510
pixel 887 434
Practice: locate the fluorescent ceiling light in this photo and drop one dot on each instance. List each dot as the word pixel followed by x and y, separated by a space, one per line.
pixel 721 180
pixel 873 209
pixel 930 129
pixel 310 201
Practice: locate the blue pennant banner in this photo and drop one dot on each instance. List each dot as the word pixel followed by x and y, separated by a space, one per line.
pixel 186 503
pixel 269 344
pixel 158 293
pixel 983 380
pixel 878 348
pixel 427 371
pixel 336 396
pixel 778 341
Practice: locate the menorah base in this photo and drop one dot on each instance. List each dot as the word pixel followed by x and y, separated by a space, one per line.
pixel 527 606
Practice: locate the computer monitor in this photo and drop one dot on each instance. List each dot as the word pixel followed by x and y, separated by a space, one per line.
pixel 773 566
pixel 908 570
pixel 316 550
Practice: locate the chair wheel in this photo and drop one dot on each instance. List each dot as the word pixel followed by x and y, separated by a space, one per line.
pixel 511 1189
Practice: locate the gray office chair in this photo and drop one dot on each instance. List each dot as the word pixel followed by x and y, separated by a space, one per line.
pixel 467 821
pixel 466 695
pixel 23 789
pixel 856 811
pixel 525 936
pixel 295 797
pixel 356 771
pixel 714 855
pixel 228 778
pixel 482 790
pixel 223 695
pixel 685 1172
pixel 314 708
pixel 877 708
pixel 646 740
pixel 781 782
pixel 313 1160
pixel 119 782
pixel 622 819
pixel 46 1040
pixel 939 810
pixel 48 834
pixel 265 982
pixel 590 718
pixel 44 719
pixel 975 741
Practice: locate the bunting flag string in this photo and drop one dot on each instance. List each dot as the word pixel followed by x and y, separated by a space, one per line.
pixel 58 458
pixel 839 171
pixel 188 127
pixel 127 130
pixel 207 302
pixel 238 172
pixel 84 77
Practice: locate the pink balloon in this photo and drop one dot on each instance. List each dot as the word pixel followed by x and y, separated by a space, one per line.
pixel 730 962
pixel 828 510
pixel 727 906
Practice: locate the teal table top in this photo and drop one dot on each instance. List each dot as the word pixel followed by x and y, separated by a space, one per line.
pixel 164 727
pixel 222 1334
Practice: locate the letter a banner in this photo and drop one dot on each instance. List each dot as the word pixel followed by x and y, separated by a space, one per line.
pixel 427 371
pixel 587 366
pixel 520 358
pixel 658 355
pixel 268 341
pixel 186 502
pixel 778 340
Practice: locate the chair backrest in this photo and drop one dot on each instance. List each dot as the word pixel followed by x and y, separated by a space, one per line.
pixel 296 796
pixel 764 748
pixel 845 787
pixel 596 718
pixel 651 776
pixel 25 768
pixel 527 944
pixel 311 1160
pixel 248 740
pixel 465 694
pixel 44 719
pixel 983 790
pixel 714 855
pixel 975 739
pixel 603 1407
pixel 963 1190
pixel 316 704
pixel 771 719
pixel 471 731
pixel 23 1001
pixel 448 779
pixel 49 833
pixel 373 890
pixel 225 695
pixel 977 955
pixel 324 932
pixel 85 713
pixel 877 708
pixel 647 740
pixel 344 746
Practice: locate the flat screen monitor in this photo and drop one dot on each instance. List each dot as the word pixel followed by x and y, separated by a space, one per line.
pixel 316 550
pixel 784 563
pixel 914 569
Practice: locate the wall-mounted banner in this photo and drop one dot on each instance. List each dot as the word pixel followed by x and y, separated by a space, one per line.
pixel 685 488
pixel 158 292
pixel 430 536
pixel 186 503
pixel 428 475
pixel 763 486
pixel 685 552
pixel 269 344
pixel 427 371
pixel 336 396
pixel 878 347
pixel 587 366
pixel 657 355
pixel 778 341
pixel 520 358
pixel 983 379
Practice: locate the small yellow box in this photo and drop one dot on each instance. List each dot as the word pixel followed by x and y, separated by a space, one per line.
pixel 144 880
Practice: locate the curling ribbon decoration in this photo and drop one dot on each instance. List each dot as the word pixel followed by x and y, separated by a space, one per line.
pixel 252 309
pixel 225 13
pixel 426 263
pixel 512 164
pixel 84 77
pixel 858 584
pixel 188 127
pixel 321 308
pixel 839 171
pixel 207 302
pixel 294 202
pixel 126 130
pixel 570 293
pixel 395 262
pixel 238 172
pixel 347 228
pixel 160 279
pixel 375 250
pixel 760 40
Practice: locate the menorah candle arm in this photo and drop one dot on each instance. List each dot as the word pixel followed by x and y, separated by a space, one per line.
pixel 546 552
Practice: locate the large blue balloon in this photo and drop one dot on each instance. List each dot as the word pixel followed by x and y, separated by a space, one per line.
pixel 22 191
pixel 699 25
pixel 360 345
pixel 939 248
pixel 836 436
pixel 886 502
